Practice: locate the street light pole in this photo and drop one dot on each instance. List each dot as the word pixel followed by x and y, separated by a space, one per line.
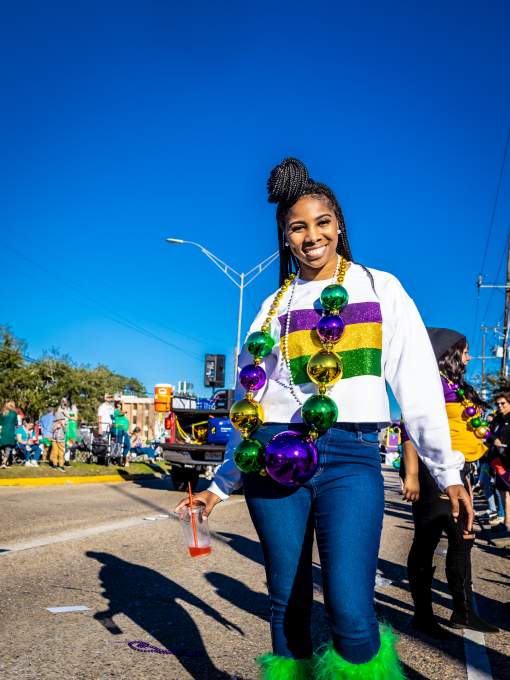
pixel 240 279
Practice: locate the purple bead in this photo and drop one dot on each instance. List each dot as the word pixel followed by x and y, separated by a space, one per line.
pixel 291 459
pixel 252 377
pixel 330 328
pixel 470 411
pixel 454 386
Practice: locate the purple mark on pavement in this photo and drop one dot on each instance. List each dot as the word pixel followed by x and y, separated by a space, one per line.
pixel 141 646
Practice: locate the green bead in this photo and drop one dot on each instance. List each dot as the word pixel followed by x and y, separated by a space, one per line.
pixel 475 422
pixel 484 423
pixel 319 412
pixel 334 297
pixel 259 344
pixel 460 392
pixel 249 455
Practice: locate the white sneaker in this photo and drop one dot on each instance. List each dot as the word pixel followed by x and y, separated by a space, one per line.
pixel 28 463
pixel 35 463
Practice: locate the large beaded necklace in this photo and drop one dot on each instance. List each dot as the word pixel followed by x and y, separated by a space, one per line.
pixel 472 413
pixel 291 457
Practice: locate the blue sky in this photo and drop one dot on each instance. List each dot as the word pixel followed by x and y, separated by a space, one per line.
pixel 125 123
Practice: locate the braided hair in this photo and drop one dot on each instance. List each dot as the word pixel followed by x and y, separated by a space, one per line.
pixel 288 182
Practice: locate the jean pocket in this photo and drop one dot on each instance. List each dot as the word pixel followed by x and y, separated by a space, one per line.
pixel 368 438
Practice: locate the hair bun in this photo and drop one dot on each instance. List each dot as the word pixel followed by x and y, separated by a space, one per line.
pixel 287 181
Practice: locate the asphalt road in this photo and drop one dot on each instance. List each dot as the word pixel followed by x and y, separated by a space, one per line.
pixel 154 612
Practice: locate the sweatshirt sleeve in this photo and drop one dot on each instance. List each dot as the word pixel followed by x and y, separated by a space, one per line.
pixel 228 476
pixel 412 373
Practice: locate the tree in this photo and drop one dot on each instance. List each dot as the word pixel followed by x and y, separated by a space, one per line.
pixel 35 385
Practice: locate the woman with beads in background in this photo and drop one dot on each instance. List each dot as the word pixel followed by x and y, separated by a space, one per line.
pixel 306 450
pixel 431 511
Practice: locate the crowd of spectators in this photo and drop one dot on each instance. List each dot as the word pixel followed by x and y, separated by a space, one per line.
pixel 493 473
pixel 55 435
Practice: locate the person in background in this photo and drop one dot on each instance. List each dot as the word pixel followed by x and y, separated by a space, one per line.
pixel 138 447
pixel 486 482
pixel 8 424
pixel 71 431
pixel 499 457
pixel 26 442
pixel 431 509
pixel 58 439
pixel 105 414
pixel 46 422
pixel 120 431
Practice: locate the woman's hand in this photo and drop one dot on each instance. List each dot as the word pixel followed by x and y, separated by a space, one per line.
pixel 458 495
pixel 206 498
pixel 411 489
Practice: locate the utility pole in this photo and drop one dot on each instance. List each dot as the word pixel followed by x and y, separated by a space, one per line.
pixel 506 316
pixel 484 337
pixel 484 357
pixel 504 358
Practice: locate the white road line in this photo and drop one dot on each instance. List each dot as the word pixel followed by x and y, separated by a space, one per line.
pixel 477 660
pixel 77 534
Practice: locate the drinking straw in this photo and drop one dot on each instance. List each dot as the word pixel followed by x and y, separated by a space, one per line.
pixel 193 521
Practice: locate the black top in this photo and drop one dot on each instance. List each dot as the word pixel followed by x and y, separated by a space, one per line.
pixel 500 429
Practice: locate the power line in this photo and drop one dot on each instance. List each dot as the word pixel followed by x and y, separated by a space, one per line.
pixel 108 313
pixel 500 265
pixel 496 198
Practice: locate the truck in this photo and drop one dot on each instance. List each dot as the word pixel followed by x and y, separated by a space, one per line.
pixel 194 438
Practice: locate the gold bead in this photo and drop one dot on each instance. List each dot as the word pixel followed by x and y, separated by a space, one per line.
pixel 265 327
pixel 257 361
pixel 313 434
pixel 279 295
pixel 275 304
pixel 324 368
pixel 272 312
pixel 263 472
pixel 249 395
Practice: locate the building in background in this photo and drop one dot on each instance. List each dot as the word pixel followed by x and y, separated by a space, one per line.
pixel 140 413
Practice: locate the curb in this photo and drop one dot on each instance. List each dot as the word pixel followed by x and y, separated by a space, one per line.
pixel 52 481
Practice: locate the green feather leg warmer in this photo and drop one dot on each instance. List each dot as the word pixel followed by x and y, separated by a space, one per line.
pixel 384 666
pixel 282 668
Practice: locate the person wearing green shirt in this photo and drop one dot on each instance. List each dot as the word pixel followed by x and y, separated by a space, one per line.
pixel 8 424
pixel 120 431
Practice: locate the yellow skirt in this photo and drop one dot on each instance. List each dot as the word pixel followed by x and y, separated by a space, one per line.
pixel 463 437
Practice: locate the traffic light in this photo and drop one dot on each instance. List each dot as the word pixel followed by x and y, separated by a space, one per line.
pixel 214 374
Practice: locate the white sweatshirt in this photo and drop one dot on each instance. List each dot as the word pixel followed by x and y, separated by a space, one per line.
pixel 384 340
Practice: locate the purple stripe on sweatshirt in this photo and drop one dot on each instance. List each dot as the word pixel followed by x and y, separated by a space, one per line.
pixel 357 312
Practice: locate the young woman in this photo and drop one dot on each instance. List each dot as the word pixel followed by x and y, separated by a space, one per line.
pixel 26 441
pixel 431 512
pixel 312 464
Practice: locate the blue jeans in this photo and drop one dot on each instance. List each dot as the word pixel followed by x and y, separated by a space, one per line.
pixel 30 451
pixel 145 451
pixel 122 437
pixel 490 492
pixel 344 504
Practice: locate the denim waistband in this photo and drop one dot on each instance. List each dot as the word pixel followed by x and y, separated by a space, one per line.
pixel 349 427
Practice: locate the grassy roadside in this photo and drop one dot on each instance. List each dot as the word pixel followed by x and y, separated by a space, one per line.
pixel 83 470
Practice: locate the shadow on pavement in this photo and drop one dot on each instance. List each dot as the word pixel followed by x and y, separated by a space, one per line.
pixel 240 595
pixel 150 601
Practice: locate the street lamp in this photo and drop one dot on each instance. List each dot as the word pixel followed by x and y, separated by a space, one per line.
pixel 240 279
